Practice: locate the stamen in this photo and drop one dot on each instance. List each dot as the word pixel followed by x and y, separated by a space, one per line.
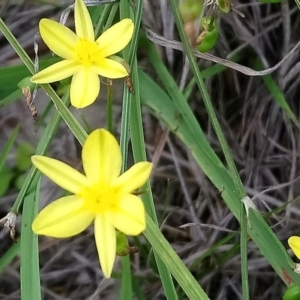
pixel 87 52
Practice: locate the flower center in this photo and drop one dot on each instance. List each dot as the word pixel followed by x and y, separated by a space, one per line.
pixel 99 198
pixel 87 52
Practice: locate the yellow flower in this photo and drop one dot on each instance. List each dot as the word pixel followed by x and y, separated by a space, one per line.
pixel 294 243
pixel 101 196
pixel 84 58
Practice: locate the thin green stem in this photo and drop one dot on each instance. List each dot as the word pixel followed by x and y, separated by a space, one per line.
pixel 103 17
pixel 17 47
pixel 126 292
pixel 42 147
pixel 207 100
pixel 110 117
pixel 244 255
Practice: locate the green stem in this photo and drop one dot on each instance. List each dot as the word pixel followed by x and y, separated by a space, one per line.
pixel 110 125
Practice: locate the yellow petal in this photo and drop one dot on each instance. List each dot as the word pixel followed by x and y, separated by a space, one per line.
pixel 64 217
pixel 129 215
pixel 83 22
pixel 116 37
pixel 56 72
pixel 101 157
pixel 85 87
pixel 61 173
pixel 105 236
pixel 294 243
pixel 135 177
pixel 110 69
pixel 60 39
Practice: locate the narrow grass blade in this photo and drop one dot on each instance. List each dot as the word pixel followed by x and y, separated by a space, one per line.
pixel 207 101
pixel 17 47
pixel 126 287
pixel 211 250
pixel 139 152
pixel 132 119
pixel 14 96
pixel 42 147
pixel 244 255
pixel 277 94
pixel 105 11
pixel 207 73
pixel 30 271
pixel 68 117
pixel 8 146
pixel 12 75
pixel 261 233
pixel 298 3
pixel 180 272
pixel 9 255
pixel 137 289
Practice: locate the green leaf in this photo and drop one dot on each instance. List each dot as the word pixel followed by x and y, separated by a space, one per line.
pixel 29 268
pixel 9 255
pixel 277 94
pixel 8 146
pixel 261 233
pixel 10 77
pixel 42 147
pixel 19 181
pixel 180 272
pixel 24 152
pixel 6 176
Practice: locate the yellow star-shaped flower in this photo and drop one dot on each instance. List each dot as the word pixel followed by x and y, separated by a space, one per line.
pixel 101 196
pixel 84 57
pixel 294 243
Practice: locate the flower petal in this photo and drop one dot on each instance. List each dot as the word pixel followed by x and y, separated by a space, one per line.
pixel 61 173
pixel 105 236
pixel 101 157
pixel 60 39
pixel 116 37
pixel 110 69
pixel 64 217
pixel 56 72
pixel 83 22
pixel 129 215
pixel 294 243
pixel 135 177
pixel 85 87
